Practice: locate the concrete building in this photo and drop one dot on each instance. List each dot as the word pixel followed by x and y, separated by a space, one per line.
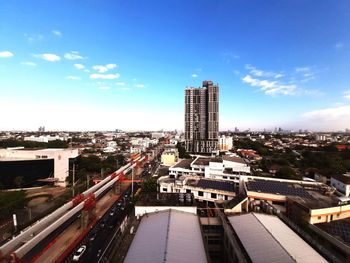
pixel 222 168
pixel 45 138
pixel 225 143
pixel 341 183
pixel 170 156
pixel 202 118
pixel 150 203
pixel 60 156
pixel 168 236
pixel 208 190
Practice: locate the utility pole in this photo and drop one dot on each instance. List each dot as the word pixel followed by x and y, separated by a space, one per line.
pixel 132 182
pixel 87 181
pixel 73 179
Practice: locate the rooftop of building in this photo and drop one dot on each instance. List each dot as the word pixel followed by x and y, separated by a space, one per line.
pixel 185 164
pixel 168 236
pixel 204 161
pixel 345 178
pixel 310 195
pixel 213 184
pixel 165 199
pixel 339 229
pixel 266 238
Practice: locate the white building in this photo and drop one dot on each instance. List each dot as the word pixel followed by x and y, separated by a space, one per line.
pixel 223 168
pixel 60 156
pixel 341 183
pixel 202 189
pixel 45 138
pixel 225 143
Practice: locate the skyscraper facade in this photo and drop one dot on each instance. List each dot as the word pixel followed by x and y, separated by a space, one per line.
pixel 202 118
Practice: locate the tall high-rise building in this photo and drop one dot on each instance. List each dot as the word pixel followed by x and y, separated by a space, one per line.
pixel 202 118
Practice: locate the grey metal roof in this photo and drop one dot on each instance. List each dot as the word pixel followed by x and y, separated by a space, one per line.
pixel 267 239
pixel 169 236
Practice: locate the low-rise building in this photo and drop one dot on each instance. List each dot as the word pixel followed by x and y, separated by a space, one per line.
pixel 168 236
pixel 341 183
pixel 203 189
pixel 225 143
pixel 60 157
pixel 170 156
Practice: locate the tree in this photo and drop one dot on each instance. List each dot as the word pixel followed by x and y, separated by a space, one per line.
pixel 150 185
pixel 19 181
pixel 285 172
pixel 182 151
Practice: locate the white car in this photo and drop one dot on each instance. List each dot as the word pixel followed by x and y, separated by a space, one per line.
pixel 79 253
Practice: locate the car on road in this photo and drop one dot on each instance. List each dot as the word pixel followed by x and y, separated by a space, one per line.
pixel 77 255
pixel 92 236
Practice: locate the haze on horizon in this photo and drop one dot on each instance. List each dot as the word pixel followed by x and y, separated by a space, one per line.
pixel 77 65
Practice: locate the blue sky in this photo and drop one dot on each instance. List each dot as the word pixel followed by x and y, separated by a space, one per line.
pixel 80 65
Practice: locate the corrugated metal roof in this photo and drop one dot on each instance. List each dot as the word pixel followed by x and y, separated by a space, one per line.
pixel 259 244
pixel 295 246
pixel 267 239
pixel 169 236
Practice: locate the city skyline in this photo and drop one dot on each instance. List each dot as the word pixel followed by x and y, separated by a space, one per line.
pixel 116 64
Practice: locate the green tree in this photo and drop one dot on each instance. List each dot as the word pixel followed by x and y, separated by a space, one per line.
pixel 150 185
pixel 286 172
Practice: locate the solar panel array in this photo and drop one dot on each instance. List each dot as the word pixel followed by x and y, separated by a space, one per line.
pixel 338 228
pixel 217 185
pixel 275 187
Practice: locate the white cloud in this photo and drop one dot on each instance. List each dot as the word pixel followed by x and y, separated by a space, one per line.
pixel 103 69
pixel 339 45
pixel 6 54
pixel 73 78
pixel 346 94
pixel 86 70
pixel 57 33
pixel 277 76
pixel 262 73
pixel 341 114
pixel 104 87
pixel 111 66
pixel 194 75
pixel 49 57
pixel 236 72
pixel 124 88
pixel 79 66
pixel 139 85
pixel 73 55
pixel 120 83
pixel 33 37
pixel 270 87
pixel 104 76
pixel 302 69
pixel 28 63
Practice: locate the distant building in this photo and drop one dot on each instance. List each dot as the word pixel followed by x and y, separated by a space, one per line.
pixel 225 143
pixel 202 118
pixel 157 135
pixel 60 158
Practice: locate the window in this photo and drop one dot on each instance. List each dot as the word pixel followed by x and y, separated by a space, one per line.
pixel 212 195
pixel 188 191
pixel 165 190
pixel 200 193
pixel 319 218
